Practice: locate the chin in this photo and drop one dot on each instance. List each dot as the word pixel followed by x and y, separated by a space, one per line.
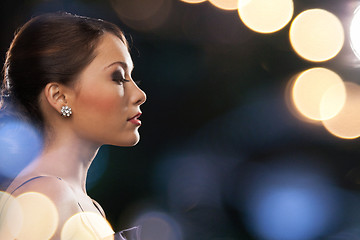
pixel 129 142
pixel 132 143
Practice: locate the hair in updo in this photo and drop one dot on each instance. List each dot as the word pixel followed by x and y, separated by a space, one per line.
pixel 53 47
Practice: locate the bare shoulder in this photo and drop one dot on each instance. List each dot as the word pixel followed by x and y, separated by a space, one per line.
pixel 46 202
pixel 50 186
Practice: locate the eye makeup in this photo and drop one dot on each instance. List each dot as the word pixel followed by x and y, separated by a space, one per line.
pixel 117 76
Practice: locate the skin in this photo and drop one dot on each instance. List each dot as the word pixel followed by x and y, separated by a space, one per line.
pixel 101 108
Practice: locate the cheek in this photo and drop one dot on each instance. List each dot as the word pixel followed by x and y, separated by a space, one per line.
pixel 101 101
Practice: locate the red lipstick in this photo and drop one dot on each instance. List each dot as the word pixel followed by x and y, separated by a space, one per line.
pixel 135 119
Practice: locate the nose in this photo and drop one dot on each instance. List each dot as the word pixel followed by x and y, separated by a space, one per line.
pixel 140 96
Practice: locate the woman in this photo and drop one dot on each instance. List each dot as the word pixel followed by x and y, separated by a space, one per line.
pixel 70 76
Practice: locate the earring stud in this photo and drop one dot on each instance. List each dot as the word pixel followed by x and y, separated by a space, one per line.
pixel 66 111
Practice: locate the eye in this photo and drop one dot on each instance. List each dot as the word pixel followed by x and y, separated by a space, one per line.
pixel 118 77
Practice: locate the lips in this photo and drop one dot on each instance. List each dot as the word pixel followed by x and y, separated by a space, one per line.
pixel 135 119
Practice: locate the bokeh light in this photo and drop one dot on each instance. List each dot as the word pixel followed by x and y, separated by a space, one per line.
pixel 142 15
pixel 193 1
pixel 32 216
pixel 190 180
pixel 346 123
pixel 355 33
pixel 289 213
pixel 290 203
pixel 158 226
pixel 266 16
pixel 87 226
pixel 319 93
pixel 225 4
pixel 317 35
pixel 20 143
pixel 7 231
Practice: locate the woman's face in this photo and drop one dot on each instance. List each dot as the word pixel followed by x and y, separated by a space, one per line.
pixel 106 103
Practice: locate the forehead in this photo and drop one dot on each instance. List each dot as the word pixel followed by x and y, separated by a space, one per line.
pixel 110 50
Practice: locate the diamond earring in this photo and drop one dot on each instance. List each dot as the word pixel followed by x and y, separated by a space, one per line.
pixel 66 111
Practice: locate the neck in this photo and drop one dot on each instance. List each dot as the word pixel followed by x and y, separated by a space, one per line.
pixel 68 157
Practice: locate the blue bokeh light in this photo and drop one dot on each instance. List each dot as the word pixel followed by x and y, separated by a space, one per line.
pixel 20 143
pixel 190 179
pixel 156 225
pixel 291 205
pixel 290 213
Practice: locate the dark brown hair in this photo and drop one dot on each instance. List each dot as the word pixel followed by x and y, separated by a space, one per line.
pixel 53 47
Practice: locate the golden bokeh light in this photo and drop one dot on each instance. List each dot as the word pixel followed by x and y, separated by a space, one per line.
pixel 32 216
pixel 40 216
pixel 193 1
pixel 317 35
pixel 346 124
pixel 7 231
pixel 265 16
pixel 319 93
pixel 225 4
pixel 87 226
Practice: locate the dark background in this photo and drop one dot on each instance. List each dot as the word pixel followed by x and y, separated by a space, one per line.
pixel 217 130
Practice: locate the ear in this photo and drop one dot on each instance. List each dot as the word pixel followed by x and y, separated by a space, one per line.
pixel 55 94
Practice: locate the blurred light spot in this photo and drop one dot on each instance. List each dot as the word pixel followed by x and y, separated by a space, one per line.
pixel 158 226
pixel 20 143
pixel 289 213
pixel 6 230
pixel 12 217
pixel 86 226
pixel 225 4
pixel 191 180
pixel 319 93
pixel 355 33
pixel 142 15
pixel 289 204
pixel 317 35
pixel 266 16
pixel 98 167
pixel 193 1
pixel 243 3
pixel 32 216
pixel 346 123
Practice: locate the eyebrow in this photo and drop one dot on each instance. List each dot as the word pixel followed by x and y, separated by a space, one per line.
pixel 123 64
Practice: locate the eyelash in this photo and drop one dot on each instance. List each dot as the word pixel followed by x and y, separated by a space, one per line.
pixel 117 77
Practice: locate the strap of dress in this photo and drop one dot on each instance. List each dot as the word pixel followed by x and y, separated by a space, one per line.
pixel 29 180
pixel 33 178
pixel 4 202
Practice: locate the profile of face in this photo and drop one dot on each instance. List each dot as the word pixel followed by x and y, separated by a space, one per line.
pixel 106 101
